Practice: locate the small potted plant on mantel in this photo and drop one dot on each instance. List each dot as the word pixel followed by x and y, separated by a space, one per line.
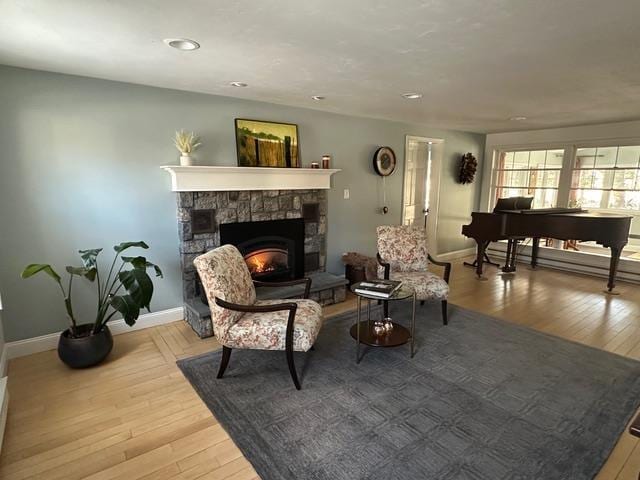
pixel 88 344
pixel 186 143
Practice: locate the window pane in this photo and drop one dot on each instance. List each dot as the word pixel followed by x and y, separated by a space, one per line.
pixel 551 178
pixel 536 178
pixel 588 198
pixel 606 157
pixel 632 200
pixel 616 200
pixel 544 198
pixel 513 192
pixel 625 200
pixel 536 160
pixel 507 160
pixel 504 178
pixel 582 179
pixel 554 158
pixel 624 179
pixel 585 157
pixel 603 179
pixel 533 173
pixel 521 160
pixel 628 156
pixel 519 178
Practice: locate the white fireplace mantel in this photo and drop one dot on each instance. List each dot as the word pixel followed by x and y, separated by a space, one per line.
pixel 211 179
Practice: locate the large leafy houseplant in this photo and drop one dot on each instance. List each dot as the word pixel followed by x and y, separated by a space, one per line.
pixel 126 290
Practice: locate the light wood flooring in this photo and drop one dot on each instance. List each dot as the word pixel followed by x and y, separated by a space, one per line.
pixel 136 416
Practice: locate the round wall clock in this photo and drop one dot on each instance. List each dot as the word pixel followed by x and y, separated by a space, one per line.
pixel 384 161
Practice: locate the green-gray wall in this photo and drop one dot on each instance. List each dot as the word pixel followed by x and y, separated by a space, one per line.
pixel 80 169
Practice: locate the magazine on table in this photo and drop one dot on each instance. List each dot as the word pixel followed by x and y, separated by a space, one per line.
pixel 379 288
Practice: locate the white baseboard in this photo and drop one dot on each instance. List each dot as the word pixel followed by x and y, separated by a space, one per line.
pixel 455 255
pixel 3 361
pixel 43 343
pixel 4 407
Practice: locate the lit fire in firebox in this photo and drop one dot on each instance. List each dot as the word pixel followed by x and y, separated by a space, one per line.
pixel 267 260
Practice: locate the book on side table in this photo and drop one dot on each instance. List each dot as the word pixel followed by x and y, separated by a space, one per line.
pixel 379 288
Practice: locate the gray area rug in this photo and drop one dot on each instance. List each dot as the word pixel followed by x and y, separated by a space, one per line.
pixel 481 399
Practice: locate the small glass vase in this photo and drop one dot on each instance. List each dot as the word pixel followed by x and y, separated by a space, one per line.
pixel 388 324
pixel 378 328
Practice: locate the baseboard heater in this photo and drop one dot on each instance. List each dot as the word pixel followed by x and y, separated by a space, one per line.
pixel 577 262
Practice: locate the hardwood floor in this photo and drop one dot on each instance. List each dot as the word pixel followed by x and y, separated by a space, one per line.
pixel 136 416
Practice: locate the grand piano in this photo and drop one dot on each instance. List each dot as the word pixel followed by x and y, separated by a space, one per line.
pixel 607 229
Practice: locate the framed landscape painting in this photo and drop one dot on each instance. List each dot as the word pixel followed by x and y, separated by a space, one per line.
pixel 267 144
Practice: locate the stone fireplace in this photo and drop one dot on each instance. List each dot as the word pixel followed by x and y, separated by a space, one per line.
pixel 281 233
pixel 217 201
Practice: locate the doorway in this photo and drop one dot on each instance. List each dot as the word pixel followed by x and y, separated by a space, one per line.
pixel 423 159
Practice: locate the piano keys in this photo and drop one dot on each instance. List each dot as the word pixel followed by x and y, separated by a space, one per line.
pixel 607 229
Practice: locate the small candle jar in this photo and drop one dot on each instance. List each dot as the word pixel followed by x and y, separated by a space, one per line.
pixel 315 165
pixel 326 161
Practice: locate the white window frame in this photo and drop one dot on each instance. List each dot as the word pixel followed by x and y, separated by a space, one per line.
pixel 563 193
pixel 566 173
pixel 601 144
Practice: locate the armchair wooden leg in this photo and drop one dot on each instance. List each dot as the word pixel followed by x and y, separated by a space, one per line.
pixel 226 354
pixel 292 367
pixel 445 321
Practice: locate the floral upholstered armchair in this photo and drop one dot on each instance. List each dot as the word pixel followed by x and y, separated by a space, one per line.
pixel 241 321
pixel 402 255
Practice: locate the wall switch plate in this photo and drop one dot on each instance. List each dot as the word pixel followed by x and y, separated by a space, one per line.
pixel 346 194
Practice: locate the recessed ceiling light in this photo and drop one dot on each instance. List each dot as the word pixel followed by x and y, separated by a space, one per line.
pixel 182 44
pixel 238 84
pixel 412 96
pixel 519 118
pixel 318 98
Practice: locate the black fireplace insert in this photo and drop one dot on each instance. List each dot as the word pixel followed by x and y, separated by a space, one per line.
pixel 273 249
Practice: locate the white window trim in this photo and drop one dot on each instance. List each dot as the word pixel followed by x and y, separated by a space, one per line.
pixel 493 180
pixel 569 147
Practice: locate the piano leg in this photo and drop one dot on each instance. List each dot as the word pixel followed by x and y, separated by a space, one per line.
pixel 535 247
pixel 507 258
pixel 480 258
pixel 613 268
pixel 510 261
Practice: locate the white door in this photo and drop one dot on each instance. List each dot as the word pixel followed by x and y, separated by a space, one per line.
pixel 421 184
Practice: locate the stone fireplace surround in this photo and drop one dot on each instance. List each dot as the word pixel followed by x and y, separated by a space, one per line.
pixel 248 206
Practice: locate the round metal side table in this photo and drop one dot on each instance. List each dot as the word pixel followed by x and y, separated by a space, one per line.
pixel 363 330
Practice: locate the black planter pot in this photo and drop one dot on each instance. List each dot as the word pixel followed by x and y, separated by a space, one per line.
pixel 87 349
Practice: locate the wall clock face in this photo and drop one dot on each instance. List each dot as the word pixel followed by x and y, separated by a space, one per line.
pixel 384 161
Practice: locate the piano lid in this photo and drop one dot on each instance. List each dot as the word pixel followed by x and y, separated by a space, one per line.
pixel 579 212
pixel 543 211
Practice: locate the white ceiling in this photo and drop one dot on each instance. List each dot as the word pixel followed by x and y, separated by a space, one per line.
pixel 477 62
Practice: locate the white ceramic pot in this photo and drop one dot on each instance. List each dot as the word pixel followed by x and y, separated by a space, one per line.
pixel 186 160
